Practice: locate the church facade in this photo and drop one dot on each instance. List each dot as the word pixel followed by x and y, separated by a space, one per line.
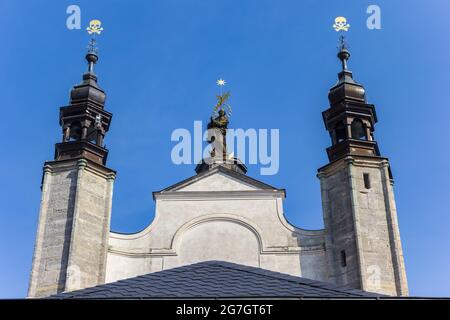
pixel 220 213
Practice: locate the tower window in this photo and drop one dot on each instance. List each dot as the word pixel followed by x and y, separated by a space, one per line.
pixel 75 131
pixel 358 130
pixel 343 259
pixel 340 132
pixel 366 180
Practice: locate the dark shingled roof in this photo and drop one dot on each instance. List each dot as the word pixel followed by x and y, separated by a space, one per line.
pixel 215 279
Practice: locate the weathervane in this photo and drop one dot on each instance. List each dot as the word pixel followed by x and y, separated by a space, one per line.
pixel 222 110
pixel 95 27
pixel 343 44
pixel 340 24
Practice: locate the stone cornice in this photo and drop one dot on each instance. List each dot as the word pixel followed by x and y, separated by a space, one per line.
pixel 211 195
pixel 81 164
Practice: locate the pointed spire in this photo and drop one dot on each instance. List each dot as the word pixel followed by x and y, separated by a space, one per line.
pixel 84 121
pixel 343 53
pixel 350 119
pixel 346 88
pixel 92 55
pixel 88 89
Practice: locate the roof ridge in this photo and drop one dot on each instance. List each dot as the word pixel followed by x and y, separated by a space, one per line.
pixel 284 276
pixel 231 173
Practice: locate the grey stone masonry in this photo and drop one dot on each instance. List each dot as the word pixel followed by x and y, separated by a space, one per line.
pixel 362 235
pixel 73 228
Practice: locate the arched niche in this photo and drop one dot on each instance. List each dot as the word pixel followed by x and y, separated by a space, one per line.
pixel 219 239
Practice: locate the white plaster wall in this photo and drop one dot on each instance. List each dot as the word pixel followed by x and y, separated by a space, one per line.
pixel 219 240
pixel 218 181
pixel 236 222
pixel 122 266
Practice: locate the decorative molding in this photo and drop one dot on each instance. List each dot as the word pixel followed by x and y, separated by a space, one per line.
pixel 211 195
pixel 264 248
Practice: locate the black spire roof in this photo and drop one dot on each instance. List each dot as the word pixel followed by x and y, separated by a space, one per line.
pixel 346 88
pixel 350 120
pixel 84 121
pixel 88 89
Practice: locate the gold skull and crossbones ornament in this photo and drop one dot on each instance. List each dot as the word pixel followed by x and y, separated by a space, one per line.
pixel 340 24
pixel 95 27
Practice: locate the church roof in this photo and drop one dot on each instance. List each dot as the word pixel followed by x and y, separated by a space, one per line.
pixel 215 279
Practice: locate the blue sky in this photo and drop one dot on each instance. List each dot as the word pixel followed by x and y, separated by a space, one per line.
pixel 159 61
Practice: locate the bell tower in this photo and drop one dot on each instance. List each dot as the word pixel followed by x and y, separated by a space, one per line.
pixel 363 241
pixel 84 121
pixel 74 218
pixel 350 119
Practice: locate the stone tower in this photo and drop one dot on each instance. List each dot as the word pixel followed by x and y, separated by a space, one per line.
pixel 363 240
pixel 74 218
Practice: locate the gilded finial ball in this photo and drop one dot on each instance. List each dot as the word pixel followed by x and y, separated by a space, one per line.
pixel 343 54
pixel 91 57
